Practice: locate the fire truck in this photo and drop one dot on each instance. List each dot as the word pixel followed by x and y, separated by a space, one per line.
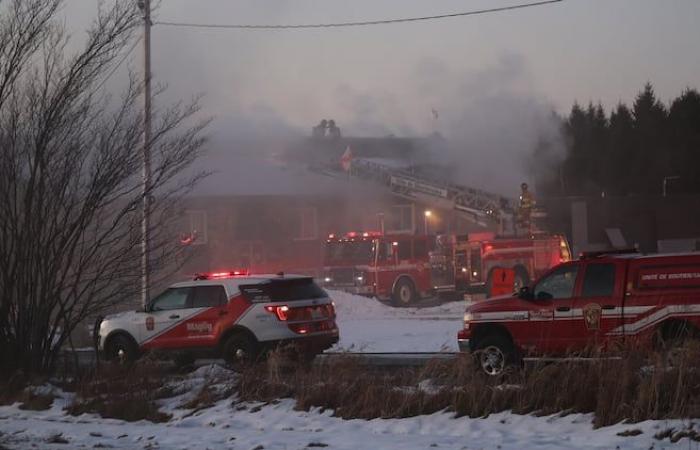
pixel 403 268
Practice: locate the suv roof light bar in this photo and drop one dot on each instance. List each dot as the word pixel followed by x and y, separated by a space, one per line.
pixel 220 275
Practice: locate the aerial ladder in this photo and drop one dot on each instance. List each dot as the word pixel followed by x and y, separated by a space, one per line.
pixel 483 208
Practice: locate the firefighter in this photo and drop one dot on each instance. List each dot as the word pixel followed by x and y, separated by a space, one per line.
pixel 333 130
pixel 319 131
pixel 527 203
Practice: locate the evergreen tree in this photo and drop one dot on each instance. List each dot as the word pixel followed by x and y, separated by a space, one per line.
pixel 631 151
pixel 684 131
pixel 621 147
pixel 650 164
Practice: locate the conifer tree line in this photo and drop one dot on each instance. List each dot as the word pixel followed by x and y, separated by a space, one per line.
pixel 628 151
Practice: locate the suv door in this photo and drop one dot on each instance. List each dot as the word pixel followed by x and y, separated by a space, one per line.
pixel 552 309
pixel 210 306
pixel 165 312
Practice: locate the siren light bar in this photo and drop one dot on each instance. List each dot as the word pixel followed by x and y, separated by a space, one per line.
pixel 220 275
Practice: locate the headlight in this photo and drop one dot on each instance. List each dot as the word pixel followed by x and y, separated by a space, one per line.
pixel 468 317
pixel 327 280
pixel 360 278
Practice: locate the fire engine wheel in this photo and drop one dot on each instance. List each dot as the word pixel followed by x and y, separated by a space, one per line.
pixel 240 351
pixel 121 349
pixel 495 355
pixel 404 293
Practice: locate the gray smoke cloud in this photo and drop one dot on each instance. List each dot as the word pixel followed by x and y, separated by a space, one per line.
pixel 492 120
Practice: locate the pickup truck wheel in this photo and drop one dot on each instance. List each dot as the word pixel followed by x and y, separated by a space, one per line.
pixel 121 349
pixel 240 351
pixel 404 293
pixel 495 355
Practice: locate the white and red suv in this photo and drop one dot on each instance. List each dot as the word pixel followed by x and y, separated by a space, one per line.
pixel 232 315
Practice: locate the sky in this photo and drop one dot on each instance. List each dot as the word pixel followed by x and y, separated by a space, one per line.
pixel 494 79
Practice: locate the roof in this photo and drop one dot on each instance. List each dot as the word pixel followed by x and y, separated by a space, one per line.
pixel 235 281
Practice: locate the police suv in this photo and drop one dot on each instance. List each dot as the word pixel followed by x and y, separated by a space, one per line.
pixel 233 315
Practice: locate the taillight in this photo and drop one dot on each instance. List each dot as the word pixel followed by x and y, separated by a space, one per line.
pixel 280 311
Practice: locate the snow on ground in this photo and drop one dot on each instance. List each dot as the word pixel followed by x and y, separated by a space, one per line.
pixel 367 325
pixel 251 426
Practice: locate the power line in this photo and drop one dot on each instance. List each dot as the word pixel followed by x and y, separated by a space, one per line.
pixel 354 24
pixel 116 67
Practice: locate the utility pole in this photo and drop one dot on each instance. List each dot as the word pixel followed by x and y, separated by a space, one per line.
pixel 145 6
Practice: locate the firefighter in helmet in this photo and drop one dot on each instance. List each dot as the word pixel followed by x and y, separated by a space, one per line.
pixel 527 203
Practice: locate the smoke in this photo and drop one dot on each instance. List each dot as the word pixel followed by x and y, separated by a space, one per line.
pixel 493 122
pixel 266 90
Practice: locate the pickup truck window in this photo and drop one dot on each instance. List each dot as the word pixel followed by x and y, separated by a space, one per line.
pixel 599 280
pixel 558 284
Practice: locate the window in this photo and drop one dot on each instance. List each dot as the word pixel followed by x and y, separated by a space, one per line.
pixel 401 218
pixel 599 280
pixel 404 250
pixel 420 249
pixel 307 224
pixel 173 298
pixel 208 296
pixel 557 285
pixel 283 290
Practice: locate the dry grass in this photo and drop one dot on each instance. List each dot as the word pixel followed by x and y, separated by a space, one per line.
pixel 635 388
pixel 126 393
pixel 18 389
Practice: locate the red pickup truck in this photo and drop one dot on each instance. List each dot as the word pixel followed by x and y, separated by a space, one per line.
pixel 598 302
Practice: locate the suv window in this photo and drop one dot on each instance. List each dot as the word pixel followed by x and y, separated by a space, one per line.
pixel 558 284
pixel 207 296
pixel 173 298
pixel 599 280
pixel 285 290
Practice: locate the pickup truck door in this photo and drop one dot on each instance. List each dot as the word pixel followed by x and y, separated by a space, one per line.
pixel 598 308
pixel 551 310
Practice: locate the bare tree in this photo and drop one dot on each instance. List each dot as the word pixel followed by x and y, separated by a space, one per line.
pixel 70 178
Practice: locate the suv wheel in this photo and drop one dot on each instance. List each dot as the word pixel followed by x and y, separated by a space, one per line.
pixel 240 351
pixel 495 355
pixel 121 349
pixel 404 293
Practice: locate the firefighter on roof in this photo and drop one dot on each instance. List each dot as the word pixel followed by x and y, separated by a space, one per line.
pixel 319 131
pixel 333 130
pixel 527 202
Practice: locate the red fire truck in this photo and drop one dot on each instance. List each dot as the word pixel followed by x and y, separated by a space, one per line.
pixel 405 267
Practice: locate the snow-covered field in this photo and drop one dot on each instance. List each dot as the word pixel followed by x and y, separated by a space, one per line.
pixel 227 425
pixel 366 325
